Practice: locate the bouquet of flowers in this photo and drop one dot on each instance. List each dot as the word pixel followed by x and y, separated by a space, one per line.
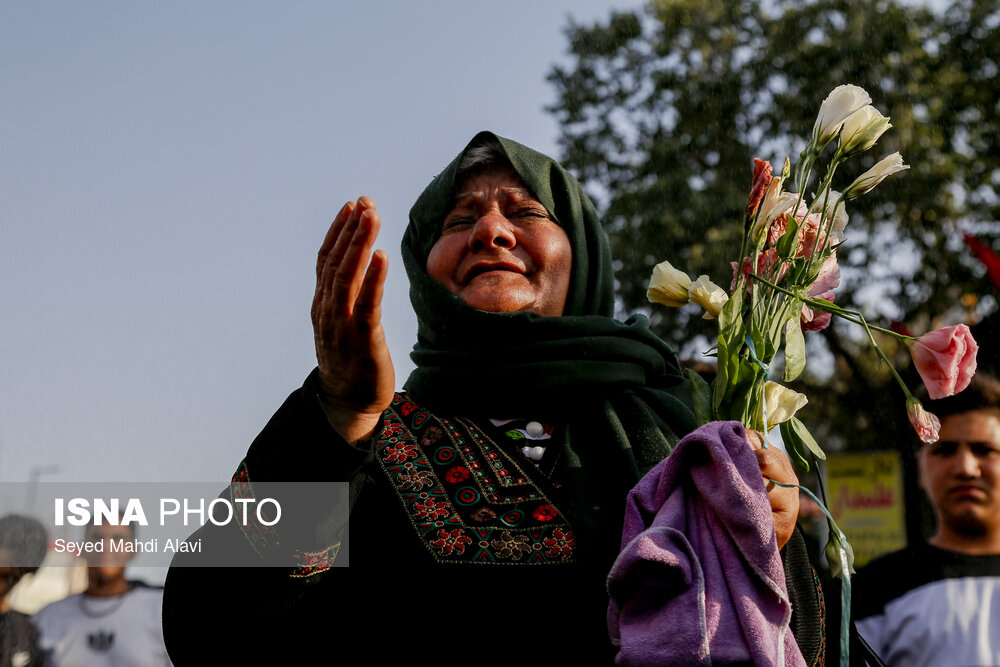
pixel 783 286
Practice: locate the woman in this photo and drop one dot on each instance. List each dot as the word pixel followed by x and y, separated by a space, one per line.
pixel 474 538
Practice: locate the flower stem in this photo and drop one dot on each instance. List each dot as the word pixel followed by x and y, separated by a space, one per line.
pixel 825 306
pixel 881 354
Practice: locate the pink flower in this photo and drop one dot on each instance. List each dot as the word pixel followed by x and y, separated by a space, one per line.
pixel 766 261
pixel 827 281
pixel 926 424
pixel 777 230
pixel 737 272
pixel 779 224
pixel 761 179
pixel 946 360
pixel 813 320
pixel 828 278
pixel 809 236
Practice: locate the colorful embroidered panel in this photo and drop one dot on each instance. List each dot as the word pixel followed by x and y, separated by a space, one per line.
pixel 470 499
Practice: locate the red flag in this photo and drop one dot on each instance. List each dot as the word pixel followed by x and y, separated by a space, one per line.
pixel 985 254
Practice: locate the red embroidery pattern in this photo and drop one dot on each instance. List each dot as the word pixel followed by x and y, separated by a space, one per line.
pixel 545 513
pixel 457 474
pixel 431 509
pixel 264 539
pixel 400 452
pixel 447 543
pixel 309 564
pixel 469 499
pixel 561 544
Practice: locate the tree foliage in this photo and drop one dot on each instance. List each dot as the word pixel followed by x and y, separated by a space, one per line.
pixel 663 110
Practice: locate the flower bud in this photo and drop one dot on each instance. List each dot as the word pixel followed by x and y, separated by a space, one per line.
pixel 761 179
pixel 926 424
pixel 668 286
pixel 839 555
pixel 884 168
pixel 708 295
pixel 862 129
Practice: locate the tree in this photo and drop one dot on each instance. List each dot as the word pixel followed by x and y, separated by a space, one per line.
pixel 664 109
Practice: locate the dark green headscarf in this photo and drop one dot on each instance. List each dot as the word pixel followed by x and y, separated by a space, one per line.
pixel 615 385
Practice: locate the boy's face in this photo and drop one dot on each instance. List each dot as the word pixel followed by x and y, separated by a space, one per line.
pixel 961 473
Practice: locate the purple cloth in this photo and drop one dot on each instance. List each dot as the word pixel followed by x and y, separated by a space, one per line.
pixel 699 580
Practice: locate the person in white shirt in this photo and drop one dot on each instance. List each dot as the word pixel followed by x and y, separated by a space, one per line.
pixel 936 603
pixel 114 622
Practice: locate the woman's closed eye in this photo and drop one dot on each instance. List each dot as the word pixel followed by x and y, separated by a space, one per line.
pixel 457 222
pixel 529 213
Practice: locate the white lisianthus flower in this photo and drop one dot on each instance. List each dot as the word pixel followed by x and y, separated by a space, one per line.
pixel 838 105
pixel 775 203
pixel 884 168
pixel 668 286
pixel 708 295
pixel 862 129
pixel 781 403
pixel 838 214
pixel 766 206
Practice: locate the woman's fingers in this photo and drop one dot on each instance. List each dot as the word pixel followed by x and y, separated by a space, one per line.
pixel 353 263
pixel 325 268
pixel 368 306
pixel 784 501
pixel 342 259
pixel 332 234
pixel 346 233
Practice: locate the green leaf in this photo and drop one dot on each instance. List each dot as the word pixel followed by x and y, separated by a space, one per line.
pixel 731 316
pixel 814 266
pixel 722 375
pixel 803 433
pixel 795 448
pixel 800 444
pixel 789 241
pixel 760 348
pixel 738 376
pixel 795 344
pixel 701 395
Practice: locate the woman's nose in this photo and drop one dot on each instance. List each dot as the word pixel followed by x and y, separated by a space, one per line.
pixel 492 231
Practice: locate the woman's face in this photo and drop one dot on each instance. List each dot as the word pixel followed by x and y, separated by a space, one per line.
pixel 499 250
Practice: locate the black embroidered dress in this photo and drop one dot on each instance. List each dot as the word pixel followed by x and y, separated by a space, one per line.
pixel 461 550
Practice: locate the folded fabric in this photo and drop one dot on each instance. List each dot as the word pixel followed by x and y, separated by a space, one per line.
pixel 699 580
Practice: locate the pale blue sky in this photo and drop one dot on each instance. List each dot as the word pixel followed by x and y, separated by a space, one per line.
pixel 167 172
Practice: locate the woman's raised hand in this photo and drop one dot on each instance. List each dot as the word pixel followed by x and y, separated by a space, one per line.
pixel 355 369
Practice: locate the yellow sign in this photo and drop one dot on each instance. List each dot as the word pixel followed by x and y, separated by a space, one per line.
pixel 866 499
